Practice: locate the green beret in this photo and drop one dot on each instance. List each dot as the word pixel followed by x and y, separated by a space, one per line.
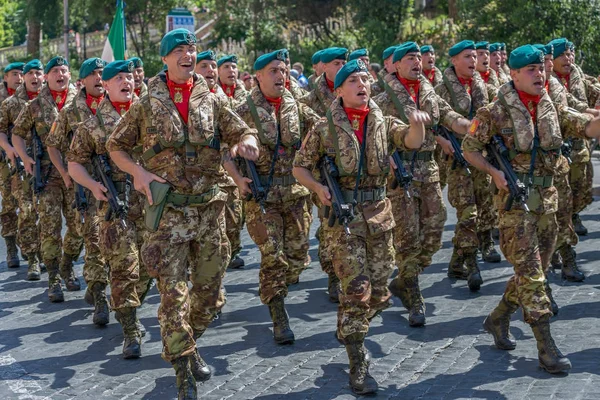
pixel 389 52
pixel 559 47
pixel 137 62
pixel 571 46
pixel 174 38
pixel 460 47
pixel 57 61
pixel 427 49
pixel 265 59
pixel 112 69
pixel 405 48
pixel 483 45
pixel 225 59
pixel 525 55
pixel 206 55
pixel 347 70
pixel 316 58
pixel 15 65
pixel 33 64
pixel 545 48
pixel 334 53
pixel 358 53
pixel 495 47
pixel 502 46
pixel 89 66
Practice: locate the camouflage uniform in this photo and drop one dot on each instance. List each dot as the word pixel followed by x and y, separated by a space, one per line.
pixel 363 260
pixel 8 214
pixel 295 89
pixel 282 233
pixel 60 137
pixel 239 93
pixel 503 77
pixel 189 239
pixel 436 78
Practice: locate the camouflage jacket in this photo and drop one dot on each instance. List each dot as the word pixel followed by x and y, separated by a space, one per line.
pixel 508 118
pixel 492 85
pixel 320 98
pixel 4 92
pixel 42 113
pixel 294 121
pixel 377 85
pixel 186 156
pixel 437 76
pixel 10 109
pixel 295 89
pixel 437 108
pixel 459 98
pixel 502 77
pixel 581 89
pixel 592 85
pixel 311 82
pixel 239 94
pixel 143 90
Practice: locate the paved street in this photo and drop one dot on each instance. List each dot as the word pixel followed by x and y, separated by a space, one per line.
pixel 53 351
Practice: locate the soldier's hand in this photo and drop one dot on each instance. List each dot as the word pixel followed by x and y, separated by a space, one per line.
pixel 418 117
pixel 141 181
pixel 28 163
pixel 499 180
pixel 592 130
pixel 393 163
pixel 243 185
pixel 67 180
pixel 98 191
pixel 324 195
pixel 246 148
pixel 12 155
pixel 445 145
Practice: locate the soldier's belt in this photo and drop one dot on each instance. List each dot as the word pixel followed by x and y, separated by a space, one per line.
pixel 285 180
pixel 541 181
pixel 183 200
pixel 364 195
pixel 420 155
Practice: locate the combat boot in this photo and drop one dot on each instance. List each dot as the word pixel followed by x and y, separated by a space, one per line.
pixel 570 271
pixel 578 226
pixel 486 245
pixel 549 356
pixel 282 333
pixel 41 261
pixel 416 312
pixel 548 289
pixel 33 272
pixel 55 292
pixel 67 273
pixel 556 261
pixel 456 267
pixel 361 381
pixel 12 253
pixel 200 368
pixel 132 337
pixel 186 383
pixel 236 263
pixel 474 280
pixel 498 324
pixel 334 288
pixel 398 289
pixel 101 310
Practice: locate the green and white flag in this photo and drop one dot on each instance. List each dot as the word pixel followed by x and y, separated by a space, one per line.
pixel 114 48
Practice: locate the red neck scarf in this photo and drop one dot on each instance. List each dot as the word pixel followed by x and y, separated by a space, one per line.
pixel 213 90
pixel 485 75
pixel 547 85
pixel 530 103
pixel 10 91
pixel 412 87
pixel 59 98
pixel 287 85
pixel 229 90
pixel 357 120
pixel 564 79
pixel 180 94
pixel 329 84
pixel 430 74
pixel 121 108
pixel 93 102
pixel 32 95
pixel 466 83
pixel 275 102
pixel 137 91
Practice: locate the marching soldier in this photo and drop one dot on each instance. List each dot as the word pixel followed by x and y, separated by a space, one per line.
pixel 178 174
pixel 496 63
pixel 504 59
pixel 485 71
pixel 525 119
pixel 138 77
pixel 432 72
pixel 228 79
pixel 355 138
pixel 317 66
pixel 388 68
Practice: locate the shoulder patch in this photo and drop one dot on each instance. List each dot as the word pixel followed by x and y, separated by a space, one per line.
pixel 473 127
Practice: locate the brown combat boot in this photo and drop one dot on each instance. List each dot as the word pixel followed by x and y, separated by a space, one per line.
pixel 67 273
pixel 549 356
pixel 282 333
pixel 456 267
pixel 578 226
pixel 186 383
pixel 33 272
pixel 55 292
pixel 132 338
pixel 416 312
pixel 398 288
pixel 12 253
pixel 474 280
pixel 548 289
pixel 200 368
pixel 486 246
pixel 498 324
pixel 101 310
pixel 334 288
pixel 570 270
pixel 361 381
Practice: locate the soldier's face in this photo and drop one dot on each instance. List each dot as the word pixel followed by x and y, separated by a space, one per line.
pixel 181 63
pixel 529 79
pixel 366 60
pixel 388 64
pixel 562 63
pixel 228 73
pixel 13 78
pixel 138 77
pixel 208 69
pixel 248 82
pixel 332 68
pixel 504 57
pixel 495 60
pixel 93 83
pixel 271 79
pixel 58 78
pixel 483 60
pixel 548 64
pixel 464 63
pixel 428 60
pixel 120 87
pixel 34 78
pixel 356 90
pixel 410 66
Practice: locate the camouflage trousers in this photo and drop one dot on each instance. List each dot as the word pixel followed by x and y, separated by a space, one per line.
pixel 28 231
pixel 94 267
pixel 421 219
pixel 566 233
pixel 55 201
pixel 323 251
pixel 441 161
pixel 527 240
pixel 581 178
pixel 472 198
pixel 363 262
pixel 282 238
pixel 190 245
pixel 129 279
pixel 234 219
pixel 8 215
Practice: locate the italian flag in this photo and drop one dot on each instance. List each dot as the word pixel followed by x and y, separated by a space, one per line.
pixel 114 48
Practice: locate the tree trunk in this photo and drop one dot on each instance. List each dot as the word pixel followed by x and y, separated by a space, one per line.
pixel 33 38
pixel 453 10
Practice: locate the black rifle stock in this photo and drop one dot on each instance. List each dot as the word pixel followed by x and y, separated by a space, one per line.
pixel 517 189
pixel 80 204
pixel 259 193
pixel 103 172
pixel 403 177
pixel 38 153
pixel 342 212
pixel 459 159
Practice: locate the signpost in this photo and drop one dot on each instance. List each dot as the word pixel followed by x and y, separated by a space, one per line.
pixel 180 18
